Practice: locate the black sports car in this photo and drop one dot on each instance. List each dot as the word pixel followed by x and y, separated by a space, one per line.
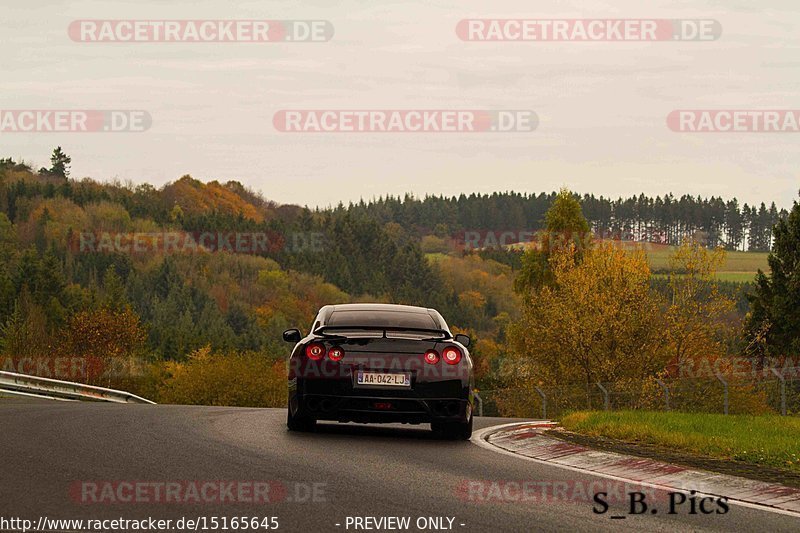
pixel 381 363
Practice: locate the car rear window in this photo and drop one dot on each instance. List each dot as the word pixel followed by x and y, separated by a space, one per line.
pixel 398 319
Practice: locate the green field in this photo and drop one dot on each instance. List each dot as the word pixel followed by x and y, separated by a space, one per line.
pixel 738 277
pixel 738 266
pixel 762 440
pixel 739 263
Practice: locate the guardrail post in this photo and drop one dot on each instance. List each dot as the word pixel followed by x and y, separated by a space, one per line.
pixel 544 402
pixel 480 402
pixel 666 392
pixel 783 389
pixel 605 396
pixel 724 390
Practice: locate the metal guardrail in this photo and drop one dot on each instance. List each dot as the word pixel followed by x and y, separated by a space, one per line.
pixel 54 389
pixel 480 402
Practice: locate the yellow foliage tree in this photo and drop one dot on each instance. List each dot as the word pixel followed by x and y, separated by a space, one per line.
pixel 107 339
pixel 696 323
pixel 598 321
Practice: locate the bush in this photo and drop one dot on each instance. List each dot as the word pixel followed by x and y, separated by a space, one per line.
pixel 232 379
pixel 745 396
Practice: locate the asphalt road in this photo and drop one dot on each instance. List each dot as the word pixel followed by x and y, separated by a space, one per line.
pixel 359 471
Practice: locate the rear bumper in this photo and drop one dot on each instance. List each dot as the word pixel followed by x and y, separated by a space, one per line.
pixel 449 401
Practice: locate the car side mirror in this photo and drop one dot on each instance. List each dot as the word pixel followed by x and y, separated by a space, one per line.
pixel 292 335
pixel 463 339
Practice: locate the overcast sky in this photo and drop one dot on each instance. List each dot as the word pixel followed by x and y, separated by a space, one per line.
pixel 602 106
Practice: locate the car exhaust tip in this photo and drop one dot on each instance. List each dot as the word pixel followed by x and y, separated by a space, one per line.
pixel 445 408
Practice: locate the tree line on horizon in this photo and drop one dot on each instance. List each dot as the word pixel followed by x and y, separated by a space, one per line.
pixel 665 219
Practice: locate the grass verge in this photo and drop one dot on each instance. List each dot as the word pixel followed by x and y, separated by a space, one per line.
pixel 768 440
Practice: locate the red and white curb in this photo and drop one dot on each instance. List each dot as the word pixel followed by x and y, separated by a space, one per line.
pixel 527 440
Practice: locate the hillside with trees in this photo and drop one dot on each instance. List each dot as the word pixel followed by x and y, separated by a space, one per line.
pixel 167 321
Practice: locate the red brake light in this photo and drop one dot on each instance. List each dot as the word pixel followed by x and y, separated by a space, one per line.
pixel 431 357
pixel 335 354
pixel 451 355
pixel 315 351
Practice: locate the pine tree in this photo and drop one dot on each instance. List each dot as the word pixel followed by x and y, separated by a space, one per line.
pixel 565 223
pixel 59 164
pixel 773 325
pixel 114 297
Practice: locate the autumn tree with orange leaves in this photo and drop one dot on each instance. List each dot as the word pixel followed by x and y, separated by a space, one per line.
pixel 597 321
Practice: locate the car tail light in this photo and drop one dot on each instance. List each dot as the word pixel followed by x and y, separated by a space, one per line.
pixel 335 353
pixel 431 357
pixel 315 351
pixel 451 355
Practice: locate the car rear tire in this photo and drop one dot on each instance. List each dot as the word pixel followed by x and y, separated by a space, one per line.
pixel 453 430
pixel 298 423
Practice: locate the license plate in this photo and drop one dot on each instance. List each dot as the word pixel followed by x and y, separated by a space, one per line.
pixel 378 379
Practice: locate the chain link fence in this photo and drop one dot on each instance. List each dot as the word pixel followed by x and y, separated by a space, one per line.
pixel 732 394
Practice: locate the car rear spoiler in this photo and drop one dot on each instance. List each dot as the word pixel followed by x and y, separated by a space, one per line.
pixel 324 330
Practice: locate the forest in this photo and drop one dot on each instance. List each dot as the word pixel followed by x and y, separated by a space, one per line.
pixel 169 322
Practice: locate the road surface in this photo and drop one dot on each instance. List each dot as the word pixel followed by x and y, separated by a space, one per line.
pixel 50 448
